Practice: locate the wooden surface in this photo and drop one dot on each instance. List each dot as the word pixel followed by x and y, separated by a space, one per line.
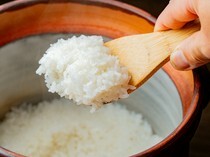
pixel 144 58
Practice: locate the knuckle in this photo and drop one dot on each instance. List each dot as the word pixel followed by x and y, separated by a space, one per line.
pixel 200 56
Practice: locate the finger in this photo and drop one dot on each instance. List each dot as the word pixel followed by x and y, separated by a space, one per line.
pixel 175 15
pixel 192 53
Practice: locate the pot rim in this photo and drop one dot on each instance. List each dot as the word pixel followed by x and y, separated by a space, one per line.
pixel 180 129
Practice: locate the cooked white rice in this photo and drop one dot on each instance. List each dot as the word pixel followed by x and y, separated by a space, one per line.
pixel 60 129
pixel 82 69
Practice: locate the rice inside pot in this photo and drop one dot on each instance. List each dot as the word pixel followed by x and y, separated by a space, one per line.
pixel 62 129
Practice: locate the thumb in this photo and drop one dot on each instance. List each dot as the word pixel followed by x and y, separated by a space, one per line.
pixel 192 52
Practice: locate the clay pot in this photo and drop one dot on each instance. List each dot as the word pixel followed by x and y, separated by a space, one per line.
pixel 171 100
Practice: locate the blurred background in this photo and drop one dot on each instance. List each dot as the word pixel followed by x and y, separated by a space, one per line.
pixel 200 145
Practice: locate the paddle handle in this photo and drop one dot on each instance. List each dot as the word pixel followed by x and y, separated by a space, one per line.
pixel 144 54
pixel 175 37
pixel 169 40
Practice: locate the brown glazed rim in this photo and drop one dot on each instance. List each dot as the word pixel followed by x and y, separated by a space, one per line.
pixel 191 113
pixel 23 3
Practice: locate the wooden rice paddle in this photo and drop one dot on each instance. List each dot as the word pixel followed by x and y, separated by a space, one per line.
pixel 144 54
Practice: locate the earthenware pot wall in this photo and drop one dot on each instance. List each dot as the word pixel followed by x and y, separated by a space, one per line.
pixel 111 19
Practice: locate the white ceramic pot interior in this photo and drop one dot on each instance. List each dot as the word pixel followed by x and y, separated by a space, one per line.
pixel 158 99
pixel 159 102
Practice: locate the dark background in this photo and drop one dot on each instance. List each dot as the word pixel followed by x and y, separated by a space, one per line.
pixel 200 145
pixel 154 7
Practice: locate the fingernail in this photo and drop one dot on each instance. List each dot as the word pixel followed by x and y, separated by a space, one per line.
pixel 157 28
pixel 178 60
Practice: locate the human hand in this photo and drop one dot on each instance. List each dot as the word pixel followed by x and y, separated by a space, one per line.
pixel 195 50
